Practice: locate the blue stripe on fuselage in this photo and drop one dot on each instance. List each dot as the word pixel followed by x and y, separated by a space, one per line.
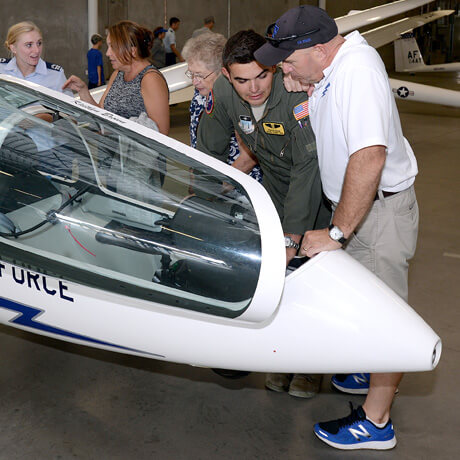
pixel 26 318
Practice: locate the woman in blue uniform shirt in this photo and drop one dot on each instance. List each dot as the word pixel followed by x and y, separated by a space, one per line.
pixel 25 43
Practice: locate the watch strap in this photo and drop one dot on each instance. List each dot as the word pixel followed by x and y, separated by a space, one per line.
pixel 290 243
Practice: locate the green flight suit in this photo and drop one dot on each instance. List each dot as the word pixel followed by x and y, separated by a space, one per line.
pixel 284 146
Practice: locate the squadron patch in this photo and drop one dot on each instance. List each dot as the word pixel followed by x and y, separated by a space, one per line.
pixel 246 124
pixel 274 128
pixel 301 110
pixel 210 103
pixel 51 66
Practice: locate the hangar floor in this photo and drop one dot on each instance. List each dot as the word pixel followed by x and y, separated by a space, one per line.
pixel 62 401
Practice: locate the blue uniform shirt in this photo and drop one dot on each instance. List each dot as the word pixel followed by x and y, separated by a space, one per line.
pixel 46 74
pixel 170 39
pixel 94 57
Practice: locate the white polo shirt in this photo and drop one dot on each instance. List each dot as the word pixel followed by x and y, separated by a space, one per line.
pixel 353 107
pixel 170 39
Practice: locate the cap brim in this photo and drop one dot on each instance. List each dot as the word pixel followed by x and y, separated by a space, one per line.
pixel 270 55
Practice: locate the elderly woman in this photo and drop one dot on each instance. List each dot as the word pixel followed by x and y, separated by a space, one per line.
pixel 203 55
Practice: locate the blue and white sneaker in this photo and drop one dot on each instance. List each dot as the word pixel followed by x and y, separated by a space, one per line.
pixel 356 432
pixel 357 384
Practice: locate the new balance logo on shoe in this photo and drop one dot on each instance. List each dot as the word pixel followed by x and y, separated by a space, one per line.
pixel 359 432
pixel 361 379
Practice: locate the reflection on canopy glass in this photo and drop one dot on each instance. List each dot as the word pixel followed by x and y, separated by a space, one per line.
pixel 87 200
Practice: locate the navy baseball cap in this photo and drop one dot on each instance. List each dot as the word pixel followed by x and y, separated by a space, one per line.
pixel 298 28
pixel 158 31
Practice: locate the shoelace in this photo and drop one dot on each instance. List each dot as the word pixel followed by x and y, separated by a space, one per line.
pixel 349 419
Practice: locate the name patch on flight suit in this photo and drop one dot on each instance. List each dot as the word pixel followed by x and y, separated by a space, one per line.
pixel 274 128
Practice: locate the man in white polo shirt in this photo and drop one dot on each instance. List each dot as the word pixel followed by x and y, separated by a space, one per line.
pixel 367 170
pixel 172 53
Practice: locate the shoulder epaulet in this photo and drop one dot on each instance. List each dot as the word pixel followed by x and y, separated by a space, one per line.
pixel 51 66
pixel 4 60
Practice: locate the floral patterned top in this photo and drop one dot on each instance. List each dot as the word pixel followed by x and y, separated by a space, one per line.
pixel 197 106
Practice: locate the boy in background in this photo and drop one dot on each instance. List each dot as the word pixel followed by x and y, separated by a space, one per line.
pixel 95 67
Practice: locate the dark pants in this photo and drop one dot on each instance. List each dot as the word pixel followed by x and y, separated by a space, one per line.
pixel 93 85
pixel 170 59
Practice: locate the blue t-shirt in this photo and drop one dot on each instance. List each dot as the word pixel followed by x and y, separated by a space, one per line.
pixel 95 59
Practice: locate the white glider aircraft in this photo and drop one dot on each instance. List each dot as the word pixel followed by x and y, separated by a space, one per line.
pixel 100 245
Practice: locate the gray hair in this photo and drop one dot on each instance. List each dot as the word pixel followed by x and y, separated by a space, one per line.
pixel 206 47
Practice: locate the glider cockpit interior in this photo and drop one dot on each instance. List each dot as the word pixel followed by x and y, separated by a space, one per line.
pixel 85 198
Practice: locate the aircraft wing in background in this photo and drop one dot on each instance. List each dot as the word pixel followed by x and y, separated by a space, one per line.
pixel 390 32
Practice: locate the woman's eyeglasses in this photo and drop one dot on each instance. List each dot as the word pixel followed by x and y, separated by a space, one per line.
pixel 196 76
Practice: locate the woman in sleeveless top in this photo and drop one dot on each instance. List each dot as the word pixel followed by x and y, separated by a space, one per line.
pixel 135 86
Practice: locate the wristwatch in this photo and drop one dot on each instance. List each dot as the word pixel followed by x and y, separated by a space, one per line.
pixel 290 243
pixel 336 234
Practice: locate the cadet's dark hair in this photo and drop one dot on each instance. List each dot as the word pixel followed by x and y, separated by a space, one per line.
pixel 125 35
pixel 240 48
pixel 96 38
pixel 173 20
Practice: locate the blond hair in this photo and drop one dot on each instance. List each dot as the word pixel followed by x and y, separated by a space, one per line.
pixel 16 30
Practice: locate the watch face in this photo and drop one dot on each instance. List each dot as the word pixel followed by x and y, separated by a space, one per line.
pixel 290 243
pixel 335 233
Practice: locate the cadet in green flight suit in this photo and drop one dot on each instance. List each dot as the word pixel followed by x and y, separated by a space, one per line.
pixel 275 127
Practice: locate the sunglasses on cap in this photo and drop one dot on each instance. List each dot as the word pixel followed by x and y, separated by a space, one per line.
pixel 277 41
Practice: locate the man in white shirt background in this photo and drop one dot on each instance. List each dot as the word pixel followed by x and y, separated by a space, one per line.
pixel 172 53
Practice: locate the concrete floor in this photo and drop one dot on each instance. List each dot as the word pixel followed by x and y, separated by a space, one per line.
pixel 62 401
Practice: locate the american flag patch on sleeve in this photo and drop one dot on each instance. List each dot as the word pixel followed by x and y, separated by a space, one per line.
pixel 301 111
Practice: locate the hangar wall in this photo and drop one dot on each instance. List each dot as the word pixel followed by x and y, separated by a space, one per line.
pixel 64 24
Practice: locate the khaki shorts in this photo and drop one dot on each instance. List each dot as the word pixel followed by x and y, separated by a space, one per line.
pixel 385 240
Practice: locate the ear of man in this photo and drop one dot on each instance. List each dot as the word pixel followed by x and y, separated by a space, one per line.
pixel 226 73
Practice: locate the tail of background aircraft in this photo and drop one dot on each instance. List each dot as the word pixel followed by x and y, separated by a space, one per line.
pixel 408 58
pixel 407 54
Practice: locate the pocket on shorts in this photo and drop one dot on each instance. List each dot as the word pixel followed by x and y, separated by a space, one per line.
pixel 366 233
pixel 406 208
pixel 407 223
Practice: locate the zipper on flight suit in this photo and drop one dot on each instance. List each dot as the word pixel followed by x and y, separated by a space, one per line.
pixel 257 122
pixel 285 145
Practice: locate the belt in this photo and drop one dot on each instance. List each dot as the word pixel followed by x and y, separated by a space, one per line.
pixel 385 194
